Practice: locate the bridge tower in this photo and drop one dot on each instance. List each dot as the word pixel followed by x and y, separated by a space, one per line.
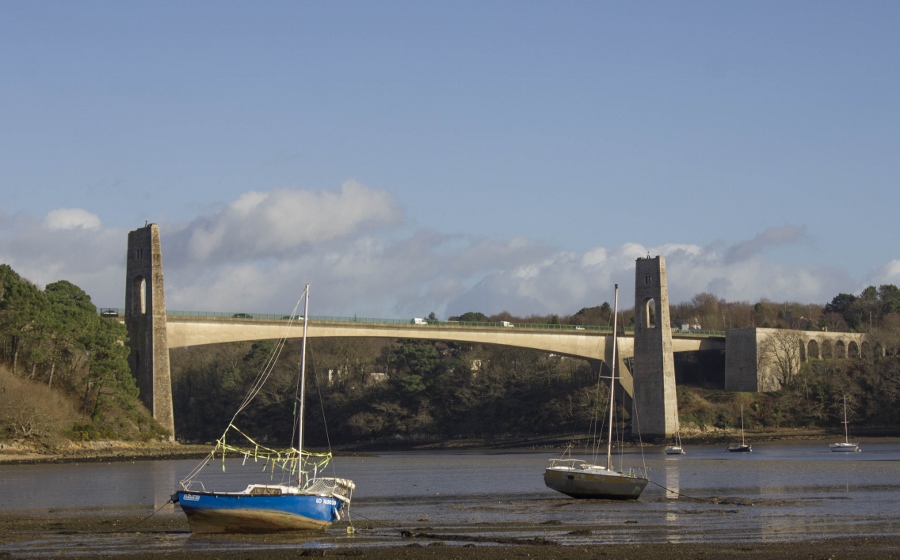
pixel 655 410
pixel 145 319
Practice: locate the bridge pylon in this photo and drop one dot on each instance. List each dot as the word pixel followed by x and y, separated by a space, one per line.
pixel 145 320
pixel 655 410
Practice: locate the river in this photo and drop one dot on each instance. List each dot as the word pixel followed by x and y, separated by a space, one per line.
pixel 780 492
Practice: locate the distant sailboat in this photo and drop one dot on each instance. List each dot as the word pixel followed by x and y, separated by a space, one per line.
pixel 743 447
pixel 675 449
pixel 845 446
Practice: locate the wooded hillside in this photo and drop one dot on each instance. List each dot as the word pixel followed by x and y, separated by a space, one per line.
pixel 64 371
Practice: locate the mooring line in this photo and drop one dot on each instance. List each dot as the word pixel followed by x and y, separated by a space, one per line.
pixel 133 525
pixel 680 495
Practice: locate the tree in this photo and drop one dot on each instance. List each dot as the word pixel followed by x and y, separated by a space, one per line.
pixel 471 317
pixel 889 295
pixel 843 305
pixel 779 352
pixel 21 302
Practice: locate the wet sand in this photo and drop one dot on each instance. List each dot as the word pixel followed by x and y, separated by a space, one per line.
pixel 134 535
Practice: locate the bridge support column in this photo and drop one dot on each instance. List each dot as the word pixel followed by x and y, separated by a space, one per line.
pixel 655 411
pixel 145 319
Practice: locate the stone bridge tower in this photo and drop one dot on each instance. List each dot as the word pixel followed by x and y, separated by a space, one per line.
pixel 145 319
pixel 655 410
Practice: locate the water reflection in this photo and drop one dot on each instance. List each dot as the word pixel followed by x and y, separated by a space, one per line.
pixel 672 477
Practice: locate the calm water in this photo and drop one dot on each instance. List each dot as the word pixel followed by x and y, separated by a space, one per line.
pixel 779 492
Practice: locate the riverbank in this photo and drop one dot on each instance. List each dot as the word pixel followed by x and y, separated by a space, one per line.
pixel 12 453
pixel 17 453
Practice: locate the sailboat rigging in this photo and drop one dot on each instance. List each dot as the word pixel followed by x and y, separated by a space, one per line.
pixel 306 501
pixel 580 479
pixel 845 446
pixel 743 447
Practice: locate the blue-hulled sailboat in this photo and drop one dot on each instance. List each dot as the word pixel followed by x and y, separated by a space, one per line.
pixel 303 500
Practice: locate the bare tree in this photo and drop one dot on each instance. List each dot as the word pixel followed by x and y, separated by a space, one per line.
pixel 779 353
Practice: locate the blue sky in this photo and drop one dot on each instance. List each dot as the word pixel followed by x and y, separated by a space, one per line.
pixel 409 157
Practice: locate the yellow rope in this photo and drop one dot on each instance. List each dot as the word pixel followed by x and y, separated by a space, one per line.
pixel 287 459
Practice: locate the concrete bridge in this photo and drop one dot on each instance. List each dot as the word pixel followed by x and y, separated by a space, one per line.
pixel 649 383
pixel 590 343
pixel 648 348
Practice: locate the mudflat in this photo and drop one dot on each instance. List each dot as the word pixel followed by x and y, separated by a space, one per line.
pixel 165 534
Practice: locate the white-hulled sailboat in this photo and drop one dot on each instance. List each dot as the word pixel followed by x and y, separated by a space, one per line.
pixel 744 447
pixel 845 446
pixel 302 501
pixel 580 479
pixel 675 449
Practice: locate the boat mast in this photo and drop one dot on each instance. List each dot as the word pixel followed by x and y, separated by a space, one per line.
pixel 612 381
pixel 846 431
pixel 742 424
pixel 302 382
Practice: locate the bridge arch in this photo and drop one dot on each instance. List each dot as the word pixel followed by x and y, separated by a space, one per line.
pixel 813 350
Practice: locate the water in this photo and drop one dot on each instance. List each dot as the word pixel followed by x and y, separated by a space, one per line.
pixel 780 492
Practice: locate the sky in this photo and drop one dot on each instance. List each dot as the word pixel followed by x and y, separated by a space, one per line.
pixel 409 157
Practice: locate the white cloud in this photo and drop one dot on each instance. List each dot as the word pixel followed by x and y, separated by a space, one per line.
pixel 888 273
pixel 771 237
pixel 58 248
pixel 277 223
pixel 258 251
pixel 71 218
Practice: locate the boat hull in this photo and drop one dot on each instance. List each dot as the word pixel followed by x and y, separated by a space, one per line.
pixel 844 447
pixel 210 512
pixel 674 450
pixel 739 448
pixel 596 485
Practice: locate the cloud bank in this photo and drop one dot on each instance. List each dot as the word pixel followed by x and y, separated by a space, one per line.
pixel 362 257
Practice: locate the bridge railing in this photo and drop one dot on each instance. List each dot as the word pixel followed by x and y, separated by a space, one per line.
pixel 421 323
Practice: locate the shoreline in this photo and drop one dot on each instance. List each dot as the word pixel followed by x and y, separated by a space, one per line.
pixel 130 451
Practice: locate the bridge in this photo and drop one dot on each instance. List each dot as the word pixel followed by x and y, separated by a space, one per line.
pixel 648 348
pixel 644 353
pixel 591 343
